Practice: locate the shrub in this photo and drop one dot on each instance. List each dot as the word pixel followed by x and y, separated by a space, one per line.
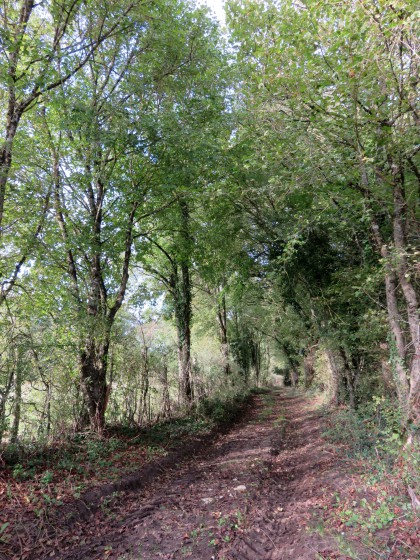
pixel 222 411
pixel 374 427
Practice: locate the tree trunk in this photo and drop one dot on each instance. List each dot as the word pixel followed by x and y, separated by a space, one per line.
pixel 183 314
pixel 294 376
pixel 48 411
pixel 45 423
pixel 144 387
pixel 144 380
pixel 184 363
pixel 308 365
pixel 397 343
pixel 410 296
pixel 93 366
pixel 14 432
pixel 407 375
pixel 224 343
pixel 387 378
pixel 6 160
pixel 256 360
pixel 293 364
pixel 408 393
pixel 335 380
pixel 4 393
pixel 166 401
pixel 183 309
pixel 349 377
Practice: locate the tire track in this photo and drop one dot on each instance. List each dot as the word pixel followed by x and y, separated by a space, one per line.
pixel 251 495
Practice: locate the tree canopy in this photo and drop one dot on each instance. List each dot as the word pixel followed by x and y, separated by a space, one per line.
pixel 185 211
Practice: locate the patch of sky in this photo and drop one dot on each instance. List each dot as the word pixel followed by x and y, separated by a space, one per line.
pixel 217 7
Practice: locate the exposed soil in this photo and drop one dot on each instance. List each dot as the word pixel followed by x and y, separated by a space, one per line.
pixel 261 491
pixel 251 494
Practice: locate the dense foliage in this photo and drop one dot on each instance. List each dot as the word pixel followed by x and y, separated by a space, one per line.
pixel 185 213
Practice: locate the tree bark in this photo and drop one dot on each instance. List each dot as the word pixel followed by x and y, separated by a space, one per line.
pixel 166 401
pixel 294 376
pixel 409 294
pixel 223 335
pixel 256 360
pixel 398 345
pixel 181 293
pixel 183 308
pixel 144 382
pixel 4 393
pixel 308 365
pixel 17 409
pixel 387 377
pixel 349 377
pixel 93 368
pixel 336 375
pixel 183 319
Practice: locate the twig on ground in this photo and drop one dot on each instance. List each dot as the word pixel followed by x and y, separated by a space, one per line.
pixel 404 543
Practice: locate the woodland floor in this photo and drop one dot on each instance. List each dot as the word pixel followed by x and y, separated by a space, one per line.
pixel 267 489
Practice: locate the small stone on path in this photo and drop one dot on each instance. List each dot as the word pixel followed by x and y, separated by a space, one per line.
pixel 207 500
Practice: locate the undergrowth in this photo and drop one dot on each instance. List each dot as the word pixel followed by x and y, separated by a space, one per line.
pixel 84 459
pixel 219 410
pixel 377 510
pixel 72 449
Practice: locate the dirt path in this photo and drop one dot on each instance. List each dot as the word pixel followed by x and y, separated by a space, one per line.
pixel 301 475
pixel 251 495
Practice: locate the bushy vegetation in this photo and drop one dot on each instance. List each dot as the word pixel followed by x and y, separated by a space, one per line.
pixel 374 427
pixel 387 470
pixel 223 410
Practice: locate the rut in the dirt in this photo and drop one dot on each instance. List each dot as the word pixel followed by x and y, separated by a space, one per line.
pixel 284 512
pixel 252 495
pixel 189 512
